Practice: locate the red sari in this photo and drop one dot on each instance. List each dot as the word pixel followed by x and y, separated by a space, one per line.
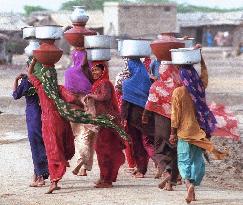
pixel 108 145
pixel 57 133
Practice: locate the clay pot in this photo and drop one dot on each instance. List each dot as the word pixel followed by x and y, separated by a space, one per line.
pixel 48 54
pixel 161 46
pixel 75 35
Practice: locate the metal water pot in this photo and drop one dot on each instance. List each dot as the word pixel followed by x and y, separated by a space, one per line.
pixel 33 45
pixel 49 32
pixel 134 48
pixel 185 56
pixel 189 42
pixel 79 15
pixel 98 41
pixel 28 32
pixel 98 54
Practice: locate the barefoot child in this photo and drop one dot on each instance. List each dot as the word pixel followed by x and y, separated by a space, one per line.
pixel 33 120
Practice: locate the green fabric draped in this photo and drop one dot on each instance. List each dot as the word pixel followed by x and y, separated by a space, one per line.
pixel 48 78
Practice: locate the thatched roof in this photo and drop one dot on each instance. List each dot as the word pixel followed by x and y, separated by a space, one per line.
pixel 3 36
pixel 11 22
pixel 204 19
pixel 63 18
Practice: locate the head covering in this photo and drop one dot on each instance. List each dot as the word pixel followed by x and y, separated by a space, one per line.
pixel 154 68
pixel 160 93
pixel 121 76
pixel 104 78
pixel 136 88
pixel 75 79
pixel 147 62
pixel 196 89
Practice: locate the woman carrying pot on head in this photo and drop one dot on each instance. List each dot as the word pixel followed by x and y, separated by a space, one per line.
pixel 57 133
pixel 33 121
pixel 159 104
pixel 78 80
pixel 121 76
pixel 191 123
pixel 135 92
pixel 108 144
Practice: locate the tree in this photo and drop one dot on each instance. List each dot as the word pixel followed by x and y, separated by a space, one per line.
pixel 89 4
pixel 29 9
pixel 181 8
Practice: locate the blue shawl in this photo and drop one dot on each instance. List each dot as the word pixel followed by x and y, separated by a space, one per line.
pixel 136 88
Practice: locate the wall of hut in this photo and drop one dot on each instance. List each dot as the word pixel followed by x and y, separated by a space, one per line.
pixel 138 20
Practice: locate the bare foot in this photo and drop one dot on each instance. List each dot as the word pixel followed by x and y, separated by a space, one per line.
pixel 99 181
pixel 168 186
pixel 76 170
pixel 190 194
pixel 53 187
pixel 130 169
pixel 40 181
pixel 103 185
pixel 78 167
pixel 166 178
pixel 134 171
pixel 158 174
pixel 139 175
pixel 179 181
pixel 83 172
pixel 33 182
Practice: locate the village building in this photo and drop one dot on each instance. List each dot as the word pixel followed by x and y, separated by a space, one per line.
pixel 11 40
pixel 143 20
pixel 227 26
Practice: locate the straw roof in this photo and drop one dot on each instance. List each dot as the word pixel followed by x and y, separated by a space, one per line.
pixel 63 18
pixel 11 22
pixel 203 19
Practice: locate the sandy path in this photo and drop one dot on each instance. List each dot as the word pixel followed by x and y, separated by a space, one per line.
pixel 16 169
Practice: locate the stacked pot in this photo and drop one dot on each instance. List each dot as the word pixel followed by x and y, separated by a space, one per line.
pixel 161 47
pixel 189 42
pixel 134 48
pixel 48 53
pixel 98 47
pixel 75 35
pixel 29 34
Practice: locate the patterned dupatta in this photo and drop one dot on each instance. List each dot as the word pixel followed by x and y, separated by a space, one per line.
pixel 196 89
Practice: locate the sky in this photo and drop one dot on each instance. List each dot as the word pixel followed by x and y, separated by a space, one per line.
pixel 17 5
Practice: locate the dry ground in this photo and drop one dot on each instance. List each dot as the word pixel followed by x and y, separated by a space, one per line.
pixel 223 183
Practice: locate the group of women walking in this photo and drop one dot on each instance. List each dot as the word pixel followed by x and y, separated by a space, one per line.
pixel 157 109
